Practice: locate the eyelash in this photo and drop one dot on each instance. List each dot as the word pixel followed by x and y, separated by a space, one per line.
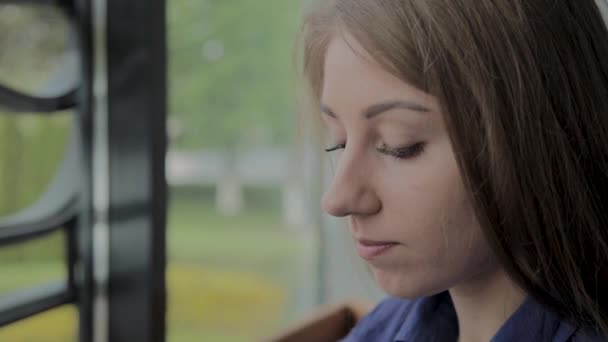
pixel 406 152
pixel 335 148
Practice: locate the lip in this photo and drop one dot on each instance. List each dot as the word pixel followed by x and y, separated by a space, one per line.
pixel 368 249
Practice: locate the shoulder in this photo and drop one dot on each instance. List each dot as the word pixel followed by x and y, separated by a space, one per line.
pixel 588 336
pixel 568 331
pixel 383 322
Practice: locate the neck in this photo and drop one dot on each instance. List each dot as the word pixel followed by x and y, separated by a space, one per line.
pixel 484 303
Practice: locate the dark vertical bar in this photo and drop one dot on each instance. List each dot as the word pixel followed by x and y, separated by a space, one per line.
pixel 71 255
pixel 83 265
pixel 137 217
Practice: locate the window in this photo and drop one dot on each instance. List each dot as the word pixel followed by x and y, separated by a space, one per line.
pixel 248 253
pixel 37 209
pixel 85 127
pixel 82 133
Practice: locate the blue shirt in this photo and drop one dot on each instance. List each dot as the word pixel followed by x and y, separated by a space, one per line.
pixel 434 319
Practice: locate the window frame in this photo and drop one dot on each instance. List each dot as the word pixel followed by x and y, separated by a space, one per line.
pixel 116 254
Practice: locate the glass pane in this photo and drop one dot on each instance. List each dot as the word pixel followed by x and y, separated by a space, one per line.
pixel 57 325
pixel 33 263
pixel 603 5
pixel 31 149
pixel 234 277
pixel 38 53
pixel 241 255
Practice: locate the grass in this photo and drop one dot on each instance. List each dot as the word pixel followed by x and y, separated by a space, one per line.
pixel 229 278
pixel 244 269
pixel 58 325
pixel 224 303
pixel 32 263
pixel 17 276
pixel 250 240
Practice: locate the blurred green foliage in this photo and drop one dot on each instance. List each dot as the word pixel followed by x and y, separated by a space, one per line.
pixel 33 263
pixel 31 150
pixel 230 74
pixel 33 39
pixel 231 71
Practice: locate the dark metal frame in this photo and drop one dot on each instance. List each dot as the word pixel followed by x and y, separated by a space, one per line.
pixel 138 190
pixel 136 103
pixel 18 102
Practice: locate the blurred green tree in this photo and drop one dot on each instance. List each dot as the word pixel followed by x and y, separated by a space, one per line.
pixel 33 39
pixel 230 71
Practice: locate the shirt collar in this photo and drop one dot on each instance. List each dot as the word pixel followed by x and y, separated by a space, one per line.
pixel 532 322
pixel 434 319
pixel 430 319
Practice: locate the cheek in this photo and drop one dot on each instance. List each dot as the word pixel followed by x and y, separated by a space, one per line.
pixel 442 241
pixel 427 198
pixel 439 251
pixel 437 223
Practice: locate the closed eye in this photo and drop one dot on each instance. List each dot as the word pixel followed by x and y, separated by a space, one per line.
pixel 406 152
pixel 335 148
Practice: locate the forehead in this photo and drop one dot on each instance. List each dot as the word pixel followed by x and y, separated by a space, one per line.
pixel 352 76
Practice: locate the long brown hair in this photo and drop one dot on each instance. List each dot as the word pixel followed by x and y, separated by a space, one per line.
pixel 523 87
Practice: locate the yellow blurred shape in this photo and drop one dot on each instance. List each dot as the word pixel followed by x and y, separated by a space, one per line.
pixel 221 299
pixel 57 325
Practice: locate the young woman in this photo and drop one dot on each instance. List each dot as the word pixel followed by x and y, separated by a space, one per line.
pixel 471 146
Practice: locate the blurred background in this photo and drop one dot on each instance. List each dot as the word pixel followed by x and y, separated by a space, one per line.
pixel 249 251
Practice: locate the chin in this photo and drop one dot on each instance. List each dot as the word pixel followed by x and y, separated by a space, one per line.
pixel 404 285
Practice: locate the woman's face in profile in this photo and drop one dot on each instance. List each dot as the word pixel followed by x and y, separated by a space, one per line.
pixel 396 178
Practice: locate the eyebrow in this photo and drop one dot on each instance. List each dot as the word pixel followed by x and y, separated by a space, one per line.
pixel 382 107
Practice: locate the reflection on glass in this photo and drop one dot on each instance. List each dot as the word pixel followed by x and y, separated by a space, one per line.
pixel 32 264
pixel 603 5
pixel 38 54
pixel 57 325
pixel 240 252
pixel 31 149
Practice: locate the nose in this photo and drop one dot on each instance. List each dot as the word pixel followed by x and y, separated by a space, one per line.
pixel 351 191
